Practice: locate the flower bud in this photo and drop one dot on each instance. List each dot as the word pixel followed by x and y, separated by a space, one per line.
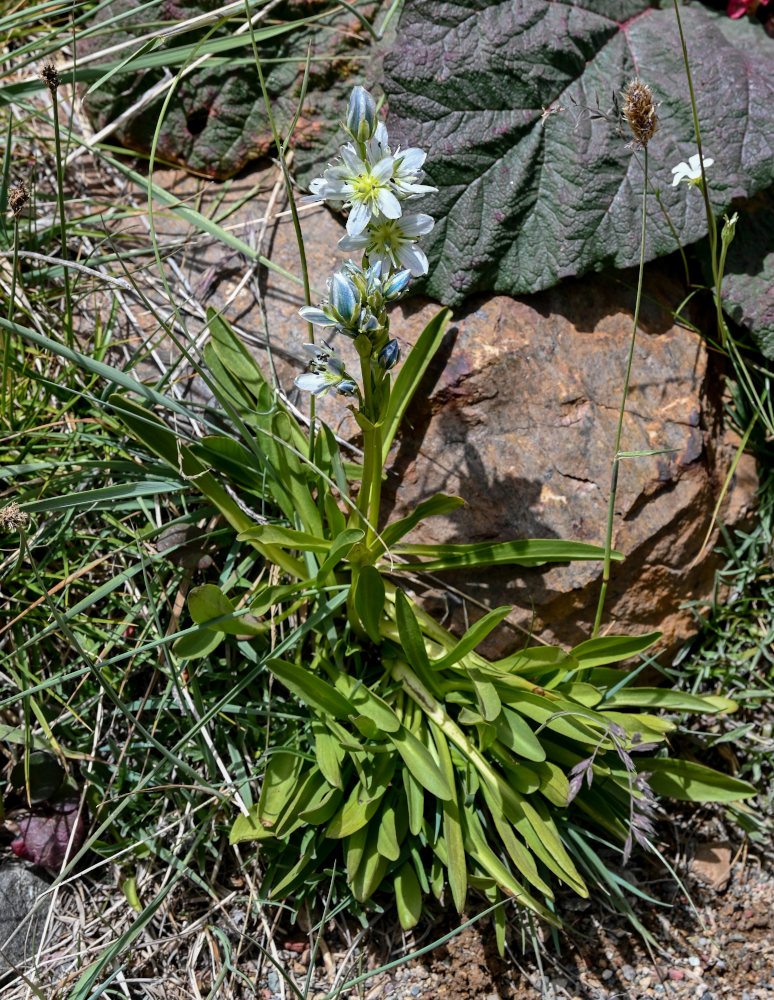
pixel 346 388
pixel 389 355
pixel 344 299
pixel 361 116
pixel 396 285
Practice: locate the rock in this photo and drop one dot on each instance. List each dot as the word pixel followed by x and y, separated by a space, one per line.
pixel 518 416
pixel 20 889
pixel 712 864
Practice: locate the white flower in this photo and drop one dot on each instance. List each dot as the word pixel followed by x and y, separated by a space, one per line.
pixel 362 186
pixel 690 171
pixel 327 372
pixel 392 243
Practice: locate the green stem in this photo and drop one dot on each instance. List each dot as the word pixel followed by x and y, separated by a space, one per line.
pixel 281 151
pixel 711 225
pixel 5 338
pixel 68 319
pixel 621 414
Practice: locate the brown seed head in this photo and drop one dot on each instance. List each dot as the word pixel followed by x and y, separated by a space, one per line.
pixel 18 198
pixel 13 517
pixel 50 77
pixel 639 110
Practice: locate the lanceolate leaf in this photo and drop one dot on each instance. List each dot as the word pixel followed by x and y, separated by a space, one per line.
pixel 525 552
pixel 691 782
pixel 526 197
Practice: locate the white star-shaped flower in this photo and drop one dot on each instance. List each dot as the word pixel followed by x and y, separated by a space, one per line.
pixel 690 171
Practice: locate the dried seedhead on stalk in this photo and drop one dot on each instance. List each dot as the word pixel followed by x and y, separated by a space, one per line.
pixel 639 110
pixel 18 198
pixel 50 77
pixel 12 517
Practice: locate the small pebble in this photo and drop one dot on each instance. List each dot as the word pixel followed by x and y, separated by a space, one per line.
pixel 607 974
pixel 693 961
pixel 627 972
pixel 415 991
pixel 272 978
pixel 676 974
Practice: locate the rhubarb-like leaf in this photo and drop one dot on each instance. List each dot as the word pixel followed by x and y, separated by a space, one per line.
pixel 532 188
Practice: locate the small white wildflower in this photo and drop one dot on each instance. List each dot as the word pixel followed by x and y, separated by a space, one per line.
pixel 327 372
pixel 690 171
pixel 361 186
pixel 392 243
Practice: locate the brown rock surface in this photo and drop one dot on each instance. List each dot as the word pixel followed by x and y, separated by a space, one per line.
pixel 521 420
pixel 518 416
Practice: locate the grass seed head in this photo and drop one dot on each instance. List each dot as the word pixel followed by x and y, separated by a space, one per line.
pixel 50 77
pixel 639 110
pixel 13 517
pixel 18 198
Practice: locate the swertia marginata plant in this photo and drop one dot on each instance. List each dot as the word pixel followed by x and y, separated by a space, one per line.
pixel 400 760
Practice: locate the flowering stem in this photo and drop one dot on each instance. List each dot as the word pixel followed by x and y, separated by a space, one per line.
pixel 619 432
pixel 711 225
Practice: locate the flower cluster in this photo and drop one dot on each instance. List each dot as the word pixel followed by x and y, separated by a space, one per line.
pixel 373 182
pixel 357 301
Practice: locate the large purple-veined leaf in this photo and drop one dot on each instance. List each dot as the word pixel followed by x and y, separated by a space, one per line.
pixel 526 198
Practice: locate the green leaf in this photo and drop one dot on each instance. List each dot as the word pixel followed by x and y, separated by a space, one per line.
pixel 419 761
pixel 474 635
pixel 280 782
pixel 247 828
pixel 366 701
pixel 663 698
pixel 408 897
pixel 413 641
pixel 692 782
pixel 274 534
pixel 233 354
pixel 197 644
pixel 612 648
pixel 526 552
pixel 311 689
pixel 415 801
pixel 410 375
pixel 359 808
pixel 328 752
pixel 525 197
pixel 208 604
pixel 387 843
pixel 340 549
pixel 371 870
pixel 515 732
pixel 436 505
pixel 369 601
pixel 456 864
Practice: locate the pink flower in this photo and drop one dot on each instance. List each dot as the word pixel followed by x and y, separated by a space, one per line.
pixel 738 8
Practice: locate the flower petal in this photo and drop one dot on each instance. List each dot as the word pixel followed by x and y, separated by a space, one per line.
pixel 314 315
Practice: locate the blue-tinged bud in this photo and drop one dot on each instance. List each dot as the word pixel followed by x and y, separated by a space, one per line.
pixel 396 285
pixel 346 388
pixel 344 298
pixel 361 116
pixel 389 355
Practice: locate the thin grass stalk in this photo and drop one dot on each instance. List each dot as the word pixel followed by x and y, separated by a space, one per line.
pixel 68 318
pixel 711 225
pixel 5 336
pixel 619 432
pixel 281 151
